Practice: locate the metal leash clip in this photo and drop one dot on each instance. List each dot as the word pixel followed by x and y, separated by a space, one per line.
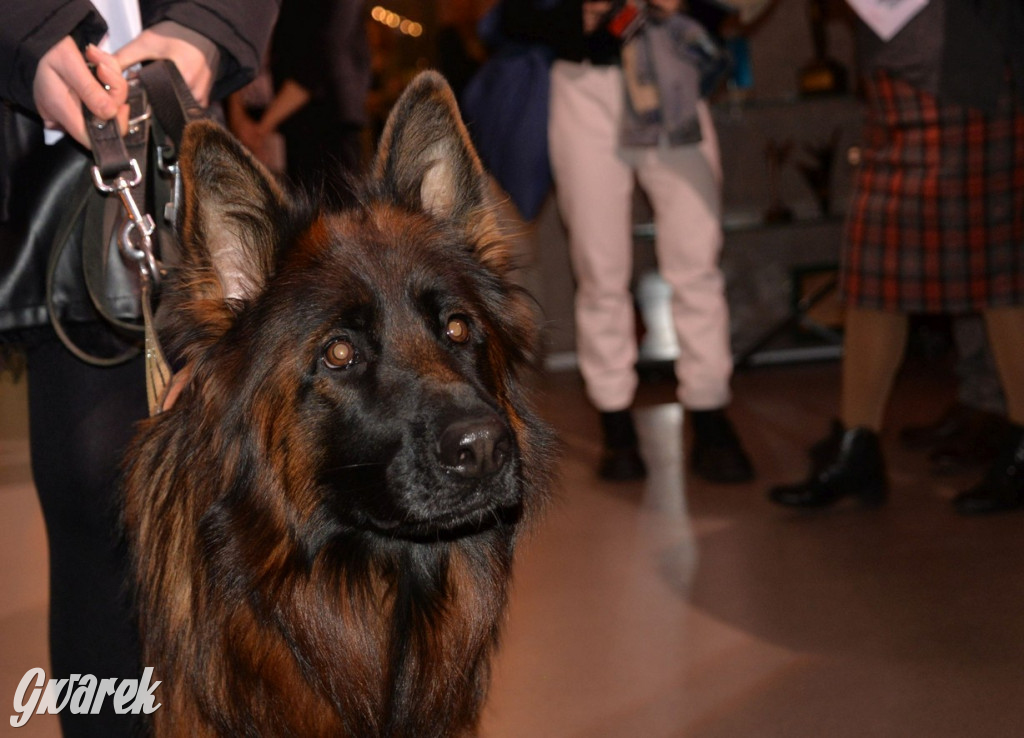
pixel 137 222
pixel 135 236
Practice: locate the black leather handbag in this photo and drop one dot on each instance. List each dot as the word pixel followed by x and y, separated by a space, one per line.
pixel 61 264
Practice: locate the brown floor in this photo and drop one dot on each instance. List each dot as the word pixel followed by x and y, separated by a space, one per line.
pixel 678 608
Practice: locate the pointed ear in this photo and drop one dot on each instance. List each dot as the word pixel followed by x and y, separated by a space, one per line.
pixel 232 205
pixel 425 156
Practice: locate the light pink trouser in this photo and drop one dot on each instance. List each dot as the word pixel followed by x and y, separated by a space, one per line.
pixel 595 178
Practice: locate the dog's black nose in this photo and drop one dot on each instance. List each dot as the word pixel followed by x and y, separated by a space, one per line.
pixel 474 447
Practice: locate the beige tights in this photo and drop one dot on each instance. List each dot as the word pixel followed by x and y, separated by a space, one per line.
pixel 873 346
pixel 1006 336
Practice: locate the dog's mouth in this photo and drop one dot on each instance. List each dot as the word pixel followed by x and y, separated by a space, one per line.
pixel 450 524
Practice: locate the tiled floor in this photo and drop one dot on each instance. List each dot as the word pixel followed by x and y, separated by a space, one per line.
pixel 666 609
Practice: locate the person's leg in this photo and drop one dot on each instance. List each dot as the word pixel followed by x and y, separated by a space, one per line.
pixel 684 187
pixel 81 419
pixel 1002 487
pixel 853 465
pixel 978 385
pixel 1006 334
pixel 873 346
pixel 969 431
pixel 594 188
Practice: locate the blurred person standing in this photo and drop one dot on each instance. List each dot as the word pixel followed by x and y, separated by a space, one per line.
pixel 936 226
pixel 620 110
pixel 320 64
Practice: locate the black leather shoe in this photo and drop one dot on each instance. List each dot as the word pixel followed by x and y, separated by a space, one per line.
pixel 1002 488
pixel 620 458
pixel 717 454
pixel 856 470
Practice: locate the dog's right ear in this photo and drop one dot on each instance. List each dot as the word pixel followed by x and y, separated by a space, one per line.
pixel 228 225
pixel 425 154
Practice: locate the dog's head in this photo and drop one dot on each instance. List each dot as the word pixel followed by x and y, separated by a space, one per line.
pixel 368 358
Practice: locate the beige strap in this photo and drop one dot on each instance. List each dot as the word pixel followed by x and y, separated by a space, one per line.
pixel 158 371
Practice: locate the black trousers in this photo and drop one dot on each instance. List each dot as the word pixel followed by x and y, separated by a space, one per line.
pixel 81 419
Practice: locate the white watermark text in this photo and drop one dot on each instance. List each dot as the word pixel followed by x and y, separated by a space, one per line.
pixel 82 695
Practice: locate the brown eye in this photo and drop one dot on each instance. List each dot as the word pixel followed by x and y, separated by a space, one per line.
pixel 457 330
pixel 339 354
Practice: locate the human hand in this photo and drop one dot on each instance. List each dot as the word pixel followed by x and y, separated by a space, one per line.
pixel 192 61
pixel 64 82
pixel 594 11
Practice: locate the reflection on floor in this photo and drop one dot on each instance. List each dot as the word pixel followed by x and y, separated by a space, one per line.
pixel 677 608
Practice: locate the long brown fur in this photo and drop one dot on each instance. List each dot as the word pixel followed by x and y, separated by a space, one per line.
pixel 270 602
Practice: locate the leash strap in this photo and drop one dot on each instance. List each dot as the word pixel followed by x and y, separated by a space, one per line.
pixel 120 168
pixel 90 214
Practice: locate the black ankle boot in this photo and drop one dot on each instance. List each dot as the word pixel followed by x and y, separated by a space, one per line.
pixel 716 453
pixel 620 458
pixel 1002 488
pixel 856 469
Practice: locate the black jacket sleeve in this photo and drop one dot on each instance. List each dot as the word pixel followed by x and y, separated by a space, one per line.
pixel 558 26
pixel 29 29
pixel 240 28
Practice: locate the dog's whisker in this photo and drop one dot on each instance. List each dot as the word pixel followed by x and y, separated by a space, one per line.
pixel 357 465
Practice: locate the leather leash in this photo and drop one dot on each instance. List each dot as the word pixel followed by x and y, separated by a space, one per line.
pixel 156 91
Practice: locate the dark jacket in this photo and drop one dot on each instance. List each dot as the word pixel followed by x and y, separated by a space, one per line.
pixel 322 45
pixel 559 26
pixel 241 28
pixel 958 50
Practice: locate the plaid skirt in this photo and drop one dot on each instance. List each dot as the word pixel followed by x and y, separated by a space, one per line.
pixel 937 218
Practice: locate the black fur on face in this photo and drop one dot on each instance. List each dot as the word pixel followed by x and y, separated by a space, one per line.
pixel 399 379
pixel 395 318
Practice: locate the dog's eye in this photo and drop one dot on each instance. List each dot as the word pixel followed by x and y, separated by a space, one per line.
pixel 457 330
pixel 339 354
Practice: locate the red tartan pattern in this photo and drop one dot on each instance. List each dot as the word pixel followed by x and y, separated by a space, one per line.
pixel 937 218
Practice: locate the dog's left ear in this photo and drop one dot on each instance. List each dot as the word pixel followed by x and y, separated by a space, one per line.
pixel 229 225
pixel 425 156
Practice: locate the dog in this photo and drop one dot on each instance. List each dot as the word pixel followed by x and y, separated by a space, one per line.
pixel 322 527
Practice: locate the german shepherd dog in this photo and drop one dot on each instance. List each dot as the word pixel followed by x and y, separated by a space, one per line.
pixel 322 526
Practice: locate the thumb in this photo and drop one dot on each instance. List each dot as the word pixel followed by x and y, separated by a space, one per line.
pixel 139 49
